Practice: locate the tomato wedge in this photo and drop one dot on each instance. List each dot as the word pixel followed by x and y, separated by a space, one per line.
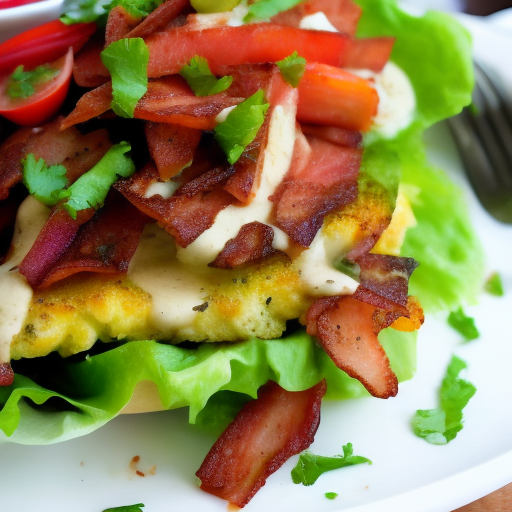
pixel 43 44
pixel 333 97
pixel 45 102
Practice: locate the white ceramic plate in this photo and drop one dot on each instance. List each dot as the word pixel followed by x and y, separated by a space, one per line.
pixel 94 472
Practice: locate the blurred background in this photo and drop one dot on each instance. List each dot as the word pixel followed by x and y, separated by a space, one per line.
pixel 477 7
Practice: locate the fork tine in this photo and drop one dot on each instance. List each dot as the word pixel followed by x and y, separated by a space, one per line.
pixel 483 134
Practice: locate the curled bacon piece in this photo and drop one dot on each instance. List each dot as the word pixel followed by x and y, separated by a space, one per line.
pixel 313 188
pixel 104 244
pixel 345 328
pixel 266 433
pixel 6 374
pixel 56 236
pixel 253 243
pixel 119 23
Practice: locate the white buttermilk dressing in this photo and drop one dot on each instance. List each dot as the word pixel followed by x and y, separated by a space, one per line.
pixel 16 293
pixel 158 188
pixel 174 289
pixel 317 21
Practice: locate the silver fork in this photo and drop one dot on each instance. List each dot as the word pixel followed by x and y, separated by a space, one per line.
pixel 483 135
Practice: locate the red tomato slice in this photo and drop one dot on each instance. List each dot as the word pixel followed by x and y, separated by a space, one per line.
pixel 43 44
pixel 333 97
pixel 44 103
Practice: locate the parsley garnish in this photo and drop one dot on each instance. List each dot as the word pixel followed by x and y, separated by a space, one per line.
pixel 292 68
pixel 47 184
pixel 442 424
pixel 127 61
pixel 241 125
pixel 83 11
pixel 21 83
pixel 126 508
pixel 265 9
pixel 310 466
pixel 43 182
pixel 201 80
pixel 331 495
pixel 463 324
pixel 92 187
pixel 494 285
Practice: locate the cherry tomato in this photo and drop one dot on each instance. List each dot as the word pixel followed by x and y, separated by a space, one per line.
pixel 7 4
pixel 43 44
pixel 46 100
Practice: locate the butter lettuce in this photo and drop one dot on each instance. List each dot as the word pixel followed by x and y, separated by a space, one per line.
pixel 81 394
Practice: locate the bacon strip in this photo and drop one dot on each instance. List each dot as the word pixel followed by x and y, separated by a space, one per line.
pixel 104 244
pixel 346 330
pixel 171 146
pixel 88 68
pixel 264 435
pixel 6 374
pixel 310 191
pixel 119 24
pixel 56 236
pixel 8 210
pixel 253 243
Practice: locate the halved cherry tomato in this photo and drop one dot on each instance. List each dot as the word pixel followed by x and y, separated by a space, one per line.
pixel 7 4
pixel 45 102
pixel 43 44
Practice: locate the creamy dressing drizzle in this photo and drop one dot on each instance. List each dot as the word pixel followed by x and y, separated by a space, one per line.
pixel 15 292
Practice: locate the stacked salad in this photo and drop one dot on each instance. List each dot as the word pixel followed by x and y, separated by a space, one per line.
pixel 53 399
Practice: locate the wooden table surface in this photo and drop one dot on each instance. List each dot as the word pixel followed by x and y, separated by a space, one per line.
pixel 499 501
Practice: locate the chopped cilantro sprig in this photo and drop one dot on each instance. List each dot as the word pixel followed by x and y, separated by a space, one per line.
pixel 200 78
pixel 127 61
pixel 310 467
pixel 464 324
pixel 494 285
pixel 241 125
pixel 47 183
pixel 265 9
pixel 292 68
pixel 22 84
pixel 126 508
pixel 442 424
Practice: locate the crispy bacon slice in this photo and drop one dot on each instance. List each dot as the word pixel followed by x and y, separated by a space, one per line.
pixel 310 191
pixel 192 208
pixel 104 244
pixel 384 280
pixel 8 209
pixel 253 243
pixel 345 328
pixel 171 146
pixel 88 68
pixel 56 236
pixel 119 24
pixel 76 151
pixel 334 134
pixel 164 14
pixel 266 433
pixel 6 374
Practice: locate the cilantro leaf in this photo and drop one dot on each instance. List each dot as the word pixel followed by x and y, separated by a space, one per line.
pixel 43 182
pixel 292 68
pixel 310 466
pixel 463 324
pixel 331 495
pixel 201 80
pixel 494 285
pixel 265 9
pixel 241 125
pixel 92 187
pixel 127 61
pixel 126 508
pixel 84 11
pixel 21 83
pixel 442 424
